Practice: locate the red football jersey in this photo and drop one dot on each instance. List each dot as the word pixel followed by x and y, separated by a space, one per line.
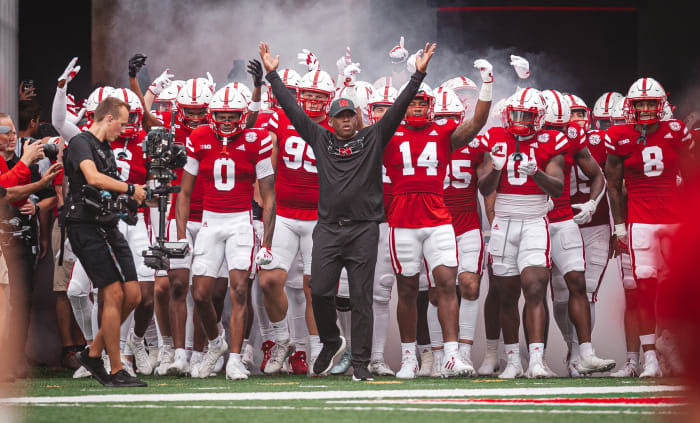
pixel 182 134
pixel 264 120
pixel 229 170
pixel 129 155
pixel 296 183
pixel 544 145
pixel 580 185
pixel 416 163
pixel 562 205
pixel 460 187
pixel 650 169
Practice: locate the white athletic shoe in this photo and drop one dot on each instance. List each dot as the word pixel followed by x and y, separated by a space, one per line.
pixel 571 368
pixel 453 366
pixel 278 355
pixel 195 361
pixel 490 365
pixel 211 357
pixel 154 357
pixel 426 364
pixel 143 362
pixel 550 372
pixel 513 369
pixel 628 370
pixel 438 355
pixel 594 364
pixel 167 357
pixel 409 367
pixel 81 373
pixel 651 367
pixel 535 369
pixel 247 356
pixel 179 366
pixel 235 370
pixel 380 368
pixel 218 367
pixel 128 366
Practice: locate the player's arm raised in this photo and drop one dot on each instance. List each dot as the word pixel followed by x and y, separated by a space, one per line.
pixel 468 129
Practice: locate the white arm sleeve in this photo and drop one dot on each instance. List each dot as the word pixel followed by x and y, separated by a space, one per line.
pixel 192 166
pixel 66 129
pixel 263 168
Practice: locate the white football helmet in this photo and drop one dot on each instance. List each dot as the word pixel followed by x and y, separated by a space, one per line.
pixel 523 114
pixel 94 99
pixel 290 78
pixel 576 104
pixel 133 125
pixel 448 104
pixel 192 102
pixel 319 82
pixel 602 109
pixel 363 92
pixel 165 101
pixel 645 89
pixel 222 110
pixel 383 96
pixel 241 88
pixel 466 90
pixel 619 117
pixel 384 81
pixel 419 120
pixel 496 116
pixel 557 113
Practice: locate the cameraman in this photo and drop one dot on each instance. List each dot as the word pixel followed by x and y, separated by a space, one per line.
pixel 96 240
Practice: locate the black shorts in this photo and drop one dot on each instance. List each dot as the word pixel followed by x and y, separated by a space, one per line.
pixel 103 253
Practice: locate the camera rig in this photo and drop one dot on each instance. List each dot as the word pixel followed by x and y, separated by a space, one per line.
pixel 165 156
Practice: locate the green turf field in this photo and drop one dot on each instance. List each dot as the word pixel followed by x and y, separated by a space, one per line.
pixel 54 397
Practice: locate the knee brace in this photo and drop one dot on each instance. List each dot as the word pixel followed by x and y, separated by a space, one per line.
pixel 343 304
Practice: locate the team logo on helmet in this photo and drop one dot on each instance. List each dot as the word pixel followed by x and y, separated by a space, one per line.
pixel 543 137
pixel 572 132
pixel 474 143
pixel 675 126
pixel 594 139
pixel 251 136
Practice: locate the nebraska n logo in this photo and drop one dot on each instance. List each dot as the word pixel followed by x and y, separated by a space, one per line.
pixel 343 103
pixel 345 151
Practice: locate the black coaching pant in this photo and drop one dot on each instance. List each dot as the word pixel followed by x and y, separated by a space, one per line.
pixel 352 245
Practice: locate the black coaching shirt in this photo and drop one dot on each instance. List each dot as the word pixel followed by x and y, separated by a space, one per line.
pixel 350 171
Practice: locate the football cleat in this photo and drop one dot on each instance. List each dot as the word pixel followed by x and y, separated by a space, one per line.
pixel 81 373
pixel 298 364
pixel 489 366
pixel 380 368
pixel 536 369
pixel 218 367
pixel 235 370
pixel 328 353
pixel 628 370
pixel 195 360
pixel 651 366
pixel 409 367
pixel 211 357
pixel 278 355
pixel 594 364
pixel 453 366
pixel 179 366
pixel 154 357
pixel 550 372
pixel 513 369
pixel 128 365
pixel 167 356
pixel 247 356
pixel 266 349
pixel 437 362
pixel 143 361
pixel 344 364
pixel 426 364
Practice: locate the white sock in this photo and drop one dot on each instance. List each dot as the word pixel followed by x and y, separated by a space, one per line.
pixel 189 323
pixel 82 310
pixel 423 349
pixel 492 346
pixel 168 342
pixel 465 349
pixel 451 348
pixel 434 328
pixel 196 356
pixel 408 349
pixel 648 339
pixel 181 353
pixel 152 334
pixel 513 352
pixel 536 350
pixel 124 330
pixel 296 318
pixel 649 355
pixel 216 342
pixel 586 350
pixel 381 324
pixel 575 351
pixel 316 345
pixel 468 314
pixel 592 305
pixel 234 356
pixel 633 357
pixel 561 317
pixel 280 331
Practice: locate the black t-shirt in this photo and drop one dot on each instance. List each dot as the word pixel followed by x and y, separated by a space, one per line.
pixel 349 172
pixel 85 146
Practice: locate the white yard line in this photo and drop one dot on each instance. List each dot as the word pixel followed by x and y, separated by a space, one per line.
pixel 393 409
pixel 329 395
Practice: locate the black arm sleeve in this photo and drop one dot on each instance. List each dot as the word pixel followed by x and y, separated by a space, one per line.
pixel 392 118
pixel 307 128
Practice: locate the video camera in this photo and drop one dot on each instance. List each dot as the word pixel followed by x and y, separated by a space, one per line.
pixel 164 157
pixel 105 204
pixel 12 231
pixel 50 150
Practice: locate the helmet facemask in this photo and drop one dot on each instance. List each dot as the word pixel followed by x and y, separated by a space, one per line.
pixel 420 112
pixel 193 116
pixel 521 121
pixel 314 102
pixel 227 123
pixel 644 111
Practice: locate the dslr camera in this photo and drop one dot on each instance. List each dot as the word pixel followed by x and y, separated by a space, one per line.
pixel 50 150
pixel 105 204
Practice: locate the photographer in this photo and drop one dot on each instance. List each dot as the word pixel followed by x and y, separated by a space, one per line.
pixel 18 253
pixel 95 238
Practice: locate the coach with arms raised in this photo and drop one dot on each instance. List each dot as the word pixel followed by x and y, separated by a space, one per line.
pixel 349 164
pixel 96 240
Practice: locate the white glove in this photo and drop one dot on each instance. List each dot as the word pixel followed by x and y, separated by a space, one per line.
pixel 70 71
pixel 344 61
pixel 75 118
pixel 211 81
pixel 263 257
pixel 522 67
pixel 498 156
pixel 486 70
pixel 189 245
pixel 350 73
pixel 550 205
pixel 621 232
pixel 586 213
pixel 411 62
pixel 162 82
pixel 309 59
pixel 398 54
pixel 528 167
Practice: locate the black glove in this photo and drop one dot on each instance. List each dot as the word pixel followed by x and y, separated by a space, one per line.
pixel 136 62
pixel 255 70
